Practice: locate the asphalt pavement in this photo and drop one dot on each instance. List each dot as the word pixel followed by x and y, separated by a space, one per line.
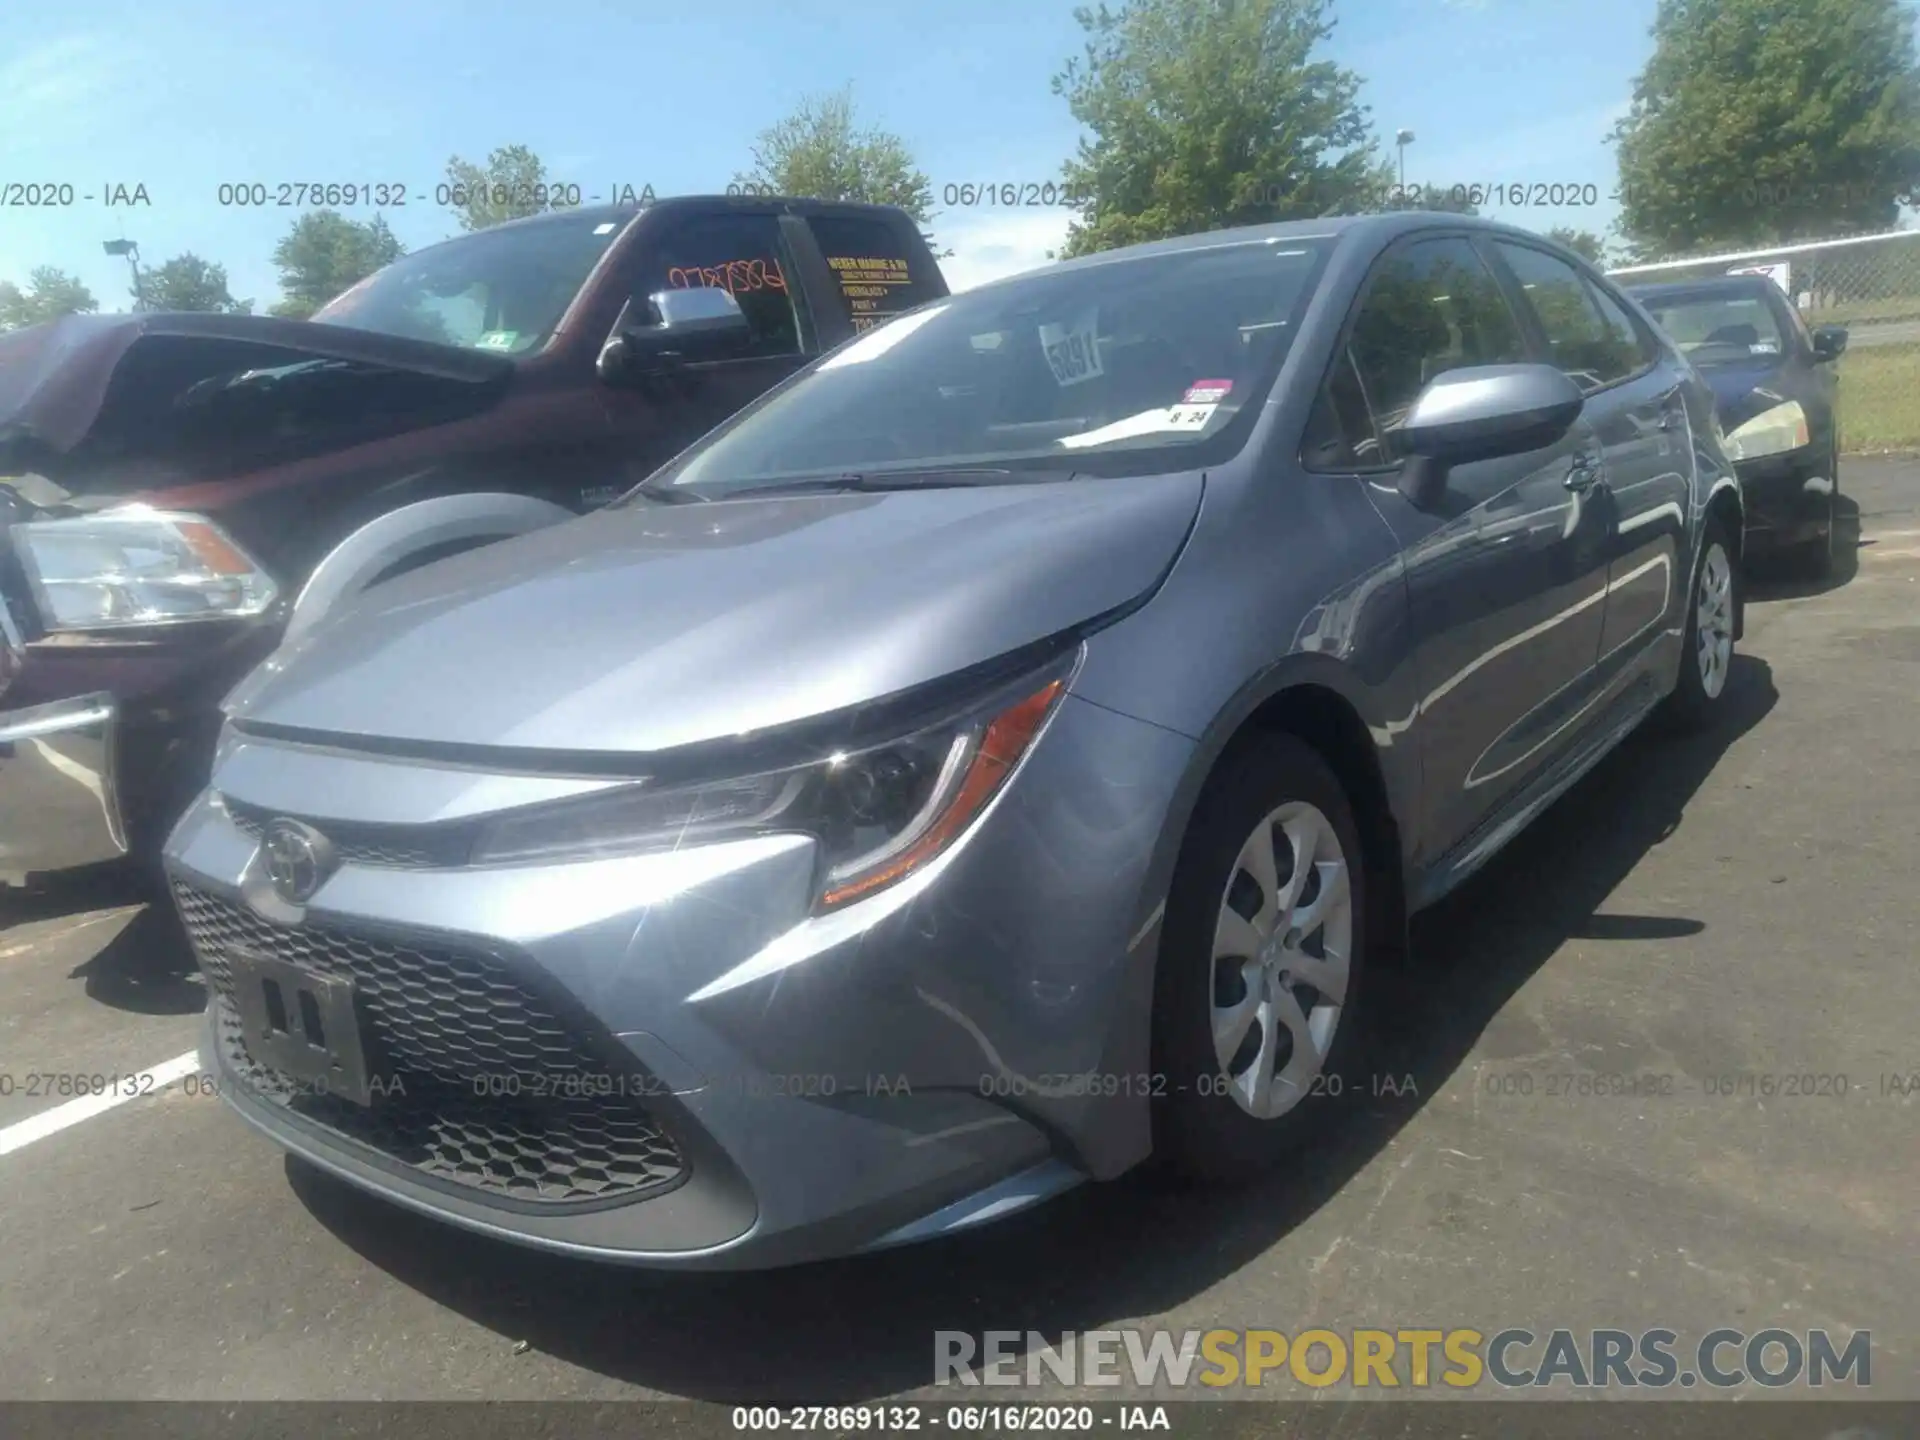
pixel 1714 911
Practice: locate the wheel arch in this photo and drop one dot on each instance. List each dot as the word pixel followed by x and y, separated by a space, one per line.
pixel 1725 505
pixel 1320 701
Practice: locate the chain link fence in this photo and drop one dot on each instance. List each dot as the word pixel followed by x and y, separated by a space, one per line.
pixel 1871 285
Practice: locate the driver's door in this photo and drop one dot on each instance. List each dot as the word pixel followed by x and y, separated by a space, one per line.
pixel 744 252
pixel 1506 571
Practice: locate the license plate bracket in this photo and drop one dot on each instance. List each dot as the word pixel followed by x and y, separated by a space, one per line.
pixel 301 1023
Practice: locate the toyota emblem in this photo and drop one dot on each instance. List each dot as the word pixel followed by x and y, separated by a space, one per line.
pixel 297 859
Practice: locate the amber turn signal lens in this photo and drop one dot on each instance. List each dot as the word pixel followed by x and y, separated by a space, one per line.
pixel 1008 736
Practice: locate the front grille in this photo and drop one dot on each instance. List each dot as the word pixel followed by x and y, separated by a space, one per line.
pixel 394 847
pixel 442 1024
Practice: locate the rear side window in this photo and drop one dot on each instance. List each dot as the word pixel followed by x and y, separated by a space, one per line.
pixel 1430 307
pixel 879 272
pixel 1588 334
pixel 739 253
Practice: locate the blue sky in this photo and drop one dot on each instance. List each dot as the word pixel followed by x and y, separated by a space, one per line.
pixel 182 95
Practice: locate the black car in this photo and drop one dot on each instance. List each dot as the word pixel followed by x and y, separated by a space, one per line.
pixel 1778 401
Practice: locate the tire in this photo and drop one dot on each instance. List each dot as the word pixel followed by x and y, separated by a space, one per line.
pixel 1699 695
pixel 1214 1120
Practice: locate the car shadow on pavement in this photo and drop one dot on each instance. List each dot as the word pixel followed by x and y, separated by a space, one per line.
pixel 147 968
pixel 864 1328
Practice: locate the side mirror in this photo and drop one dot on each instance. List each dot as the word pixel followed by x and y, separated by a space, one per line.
pixel 672 327
pixel 1481 412
pixel 1829 342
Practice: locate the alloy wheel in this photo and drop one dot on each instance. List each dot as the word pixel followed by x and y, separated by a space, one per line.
pixel 1282 952
pixel 1713 619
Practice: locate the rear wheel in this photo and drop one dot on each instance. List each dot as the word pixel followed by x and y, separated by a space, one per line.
pixel 1707 658
pixel 1260 970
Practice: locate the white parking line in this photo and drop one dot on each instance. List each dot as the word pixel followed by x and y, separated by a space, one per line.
pixel 137 1086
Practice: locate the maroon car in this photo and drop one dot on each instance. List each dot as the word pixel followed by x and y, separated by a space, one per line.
pixel 169 481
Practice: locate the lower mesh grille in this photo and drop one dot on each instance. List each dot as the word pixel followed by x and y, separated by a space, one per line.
pixel 452 1028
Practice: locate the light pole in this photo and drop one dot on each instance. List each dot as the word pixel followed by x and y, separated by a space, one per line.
pixel 132 251
pixel 1402 139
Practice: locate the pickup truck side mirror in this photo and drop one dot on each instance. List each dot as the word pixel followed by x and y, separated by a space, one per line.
pixel 1829 342
pixel 674 326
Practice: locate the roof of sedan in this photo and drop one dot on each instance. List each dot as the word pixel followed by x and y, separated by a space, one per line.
pixel 1704 285
pixel 1375 229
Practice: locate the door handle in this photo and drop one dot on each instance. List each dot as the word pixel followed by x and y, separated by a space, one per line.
pixel 1672 408
pixel 1585 472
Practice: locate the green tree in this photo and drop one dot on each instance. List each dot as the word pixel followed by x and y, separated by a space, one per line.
pixel 50 293
pixel 820 151
pixel 510 186
pixel 1757 122
pixel 186 282
pixel 1210 113
pixel 325 253
pixel 1581 242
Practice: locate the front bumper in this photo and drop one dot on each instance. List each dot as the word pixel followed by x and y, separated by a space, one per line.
pixel 59 808
pixel 1788 498
pixel 766 1086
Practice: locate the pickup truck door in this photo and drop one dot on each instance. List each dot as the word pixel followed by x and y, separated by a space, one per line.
pixel 749 252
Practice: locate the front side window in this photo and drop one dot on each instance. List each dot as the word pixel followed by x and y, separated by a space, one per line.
pixel 503 289
pixel 1593 347
pixel 1100 368
pixel 742 254
pixel 1430 307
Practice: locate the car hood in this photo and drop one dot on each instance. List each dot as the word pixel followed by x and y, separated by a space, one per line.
pixel 652 626
pixel 1735 386
pixel 69 379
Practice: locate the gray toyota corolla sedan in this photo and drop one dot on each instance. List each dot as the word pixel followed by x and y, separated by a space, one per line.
pixel 989 760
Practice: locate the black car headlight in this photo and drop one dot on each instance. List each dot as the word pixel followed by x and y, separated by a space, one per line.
pixel 879 813
pixel 1772 432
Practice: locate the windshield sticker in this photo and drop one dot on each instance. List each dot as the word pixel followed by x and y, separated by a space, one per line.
pixel 1073 354
pixel 606 229
pixel 1207 392
pixel 1765 347
pixel 497 340
pixel 868 282
pixel 1166 420
pixel 736 277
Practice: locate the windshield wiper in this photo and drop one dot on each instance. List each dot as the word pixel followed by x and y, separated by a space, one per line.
pixel 666 494
pixel 882 481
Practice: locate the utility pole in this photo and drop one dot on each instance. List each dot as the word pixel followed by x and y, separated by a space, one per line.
pixel 131 250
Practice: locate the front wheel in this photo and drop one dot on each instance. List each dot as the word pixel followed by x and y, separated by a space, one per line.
pixel 1260 968
pixel 1707 654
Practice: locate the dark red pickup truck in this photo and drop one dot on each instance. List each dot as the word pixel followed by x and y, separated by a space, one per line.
pixel 169 481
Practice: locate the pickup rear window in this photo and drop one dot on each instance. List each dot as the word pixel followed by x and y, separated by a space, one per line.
pixel 880 271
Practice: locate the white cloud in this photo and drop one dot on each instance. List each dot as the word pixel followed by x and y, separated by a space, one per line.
pixel 992 244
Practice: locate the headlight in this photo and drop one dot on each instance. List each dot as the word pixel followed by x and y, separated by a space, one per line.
pixel 134 567
pixel 1771 432
pixel 878 813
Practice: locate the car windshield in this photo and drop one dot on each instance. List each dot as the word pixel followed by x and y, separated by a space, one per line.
pixel 503 289
pixel 1718 329
pixel 1103 367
